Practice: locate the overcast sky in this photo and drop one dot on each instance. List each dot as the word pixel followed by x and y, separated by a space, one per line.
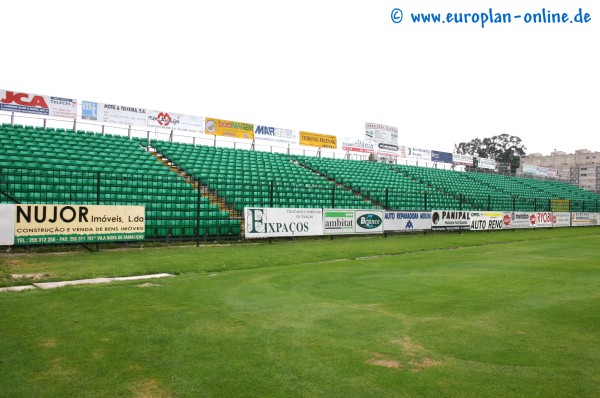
pixel 324 66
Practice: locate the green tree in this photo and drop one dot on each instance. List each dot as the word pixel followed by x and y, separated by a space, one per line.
pixel 502 148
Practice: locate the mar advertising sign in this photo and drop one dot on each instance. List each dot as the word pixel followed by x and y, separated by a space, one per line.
pixel 407 221
pixel 13 101
pixel 270 222
pixel 46 223
pixel 275 135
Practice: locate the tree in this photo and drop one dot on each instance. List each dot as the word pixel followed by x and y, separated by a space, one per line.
pixel 502 148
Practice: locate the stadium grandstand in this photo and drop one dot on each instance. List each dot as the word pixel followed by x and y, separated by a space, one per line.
pixel 194 191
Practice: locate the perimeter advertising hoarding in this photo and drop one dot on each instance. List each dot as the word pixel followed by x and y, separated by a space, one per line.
pixel 369 221
pixel 419 154
pixel 450 219
pixel 228 128
pixel 561 219
pixel 385 137
pixel 485 163
pixel 275 135
pixel 338 222
pixel 318 140
pixel 7 225
pixel 583 219
pixel 116 114
pixel 174 121
pixel 357 145
pixel 465 160
pixel 521 219
pixel 407 221
pixel 486 220
pixel 47 223
pixel 45 105
pixel 270 222
pixel 441 157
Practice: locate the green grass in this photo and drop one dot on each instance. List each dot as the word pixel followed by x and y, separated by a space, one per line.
pixel 478 315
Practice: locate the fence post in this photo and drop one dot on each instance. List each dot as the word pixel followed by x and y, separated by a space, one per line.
pixel 198 216
pixel 425 200
pixel 333 197
pixel 489 207
pixel 387 198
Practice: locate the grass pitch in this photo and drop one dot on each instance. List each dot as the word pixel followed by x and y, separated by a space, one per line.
pixel 478 314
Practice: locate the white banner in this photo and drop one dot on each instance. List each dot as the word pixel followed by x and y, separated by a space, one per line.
pixel 561 219
pixel 175 121
pixel 385 137
pixel 357 145
pixel 369 221
pixel 485 163
pixel 450 219
pixel 419 154
pixel 486 220
pixel 541 219
pixel 7 224
pixel 12 101
pixel 466 160
pixel 338 221
pixel 407 221
pixel 267 222
pixel 118 114
pixel 583 219
pixel 277 135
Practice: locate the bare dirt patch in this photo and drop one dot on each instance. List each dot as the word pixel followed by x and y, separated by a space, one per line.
pixel 384 363
pixel 148 389
pixel 148 284
pixel 35 277
pixel 49 343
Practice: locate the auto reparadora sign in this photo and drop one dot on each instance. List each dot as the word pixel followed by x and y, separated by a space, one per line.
pixel 14 101
pixel 407 221
pixel 55 224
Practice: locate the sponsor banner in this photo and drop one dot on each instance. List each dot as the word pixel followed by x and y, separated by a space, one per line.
pixel 561 219
pixel 337 222
pixel 419 154
pixel 441 157
pixel 539 171
pixel 318 140
pixel 407 221
pixel 174 121
pixel 485 163
pixel 450 219
pixel 7 224
pixel 228 128
pixel 369 221
pixel 40 224
pixel 357 145
pixel 45 105
pixel 270 222
pixel 116 114
pixel 385 137
pixel 465 160
pixel 518 220
pixel 275 135
pixel 540 219
pixel 560 205
pixel 486 220
pixel 583 219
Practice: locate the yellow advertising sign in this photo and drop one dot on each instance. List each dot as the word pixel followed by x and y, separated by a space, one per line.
pixel 78 223
pixel 560 205
pixel 318 140
pixel 227 128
